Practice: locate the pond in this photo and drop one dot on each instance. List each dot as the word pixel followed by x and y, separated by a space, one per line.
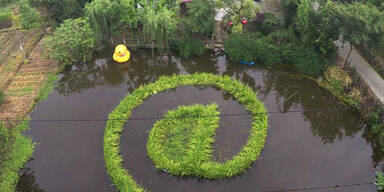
pixel 313 140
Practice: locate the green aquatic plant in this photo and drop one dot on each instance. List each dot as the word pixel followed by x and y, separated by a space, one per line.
pixel 239 163
pixel 182 146
pixel 188 46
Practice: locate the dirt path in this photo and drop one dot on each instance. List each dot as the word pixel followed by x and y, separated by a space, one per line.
pixel 366 72
pixel 22 91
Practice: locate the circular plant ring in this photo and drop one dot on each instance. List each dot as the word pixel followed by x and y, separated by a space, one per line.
pixel 238 164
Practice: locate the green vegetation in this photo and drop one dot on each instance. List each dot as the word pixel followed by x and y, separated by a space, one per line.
pixel 199 21
pixel 339 83
pixel 183 146
pixel 376 126
pixel 249 153
pixel 270 23
pixel 237 10
pixel 379 182
pixel 5 14
pixel 59 10
pixel 73 41
pixel 108 17
pixel 159 23
pixel 358 23
pixel 30 17
pixel 279 46
pixel 47 87
pixel 18 150
pixel 188 46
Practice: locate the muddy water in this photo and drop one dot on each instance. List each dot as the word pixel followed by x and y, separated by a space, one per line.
pixel 313 140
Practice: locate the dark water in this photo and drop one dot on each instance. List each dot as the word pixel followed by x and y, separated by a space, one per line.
pixel 313 140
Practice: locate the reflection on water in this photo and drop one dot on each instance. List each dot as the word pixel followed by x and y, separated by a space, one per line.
pixel 27 182
pixel 310 144
pixel 145 68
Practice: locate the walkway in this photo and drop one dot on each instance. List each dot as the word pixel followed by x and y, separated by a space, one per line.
pixel 366 72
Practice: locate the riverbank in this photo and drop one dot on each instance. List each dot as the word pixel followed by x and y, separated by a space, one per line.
pixel 31 83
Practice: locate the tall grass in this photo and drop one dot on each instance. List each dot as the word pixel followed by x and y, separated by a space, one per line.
pixel 21 149
pixel 248 154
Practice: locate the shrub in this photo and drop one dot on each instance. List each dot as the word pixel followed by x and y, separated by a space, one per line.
pixel 270 23
pixel 237 29
pixel 282 37
pixel 72 42
pixel 251 47
pixel 4 3
pixel 338 77
pixel 306 60
pixel 30 17
pixel 379 182
pixel 188 46
pixel 243 47
pixel 5 14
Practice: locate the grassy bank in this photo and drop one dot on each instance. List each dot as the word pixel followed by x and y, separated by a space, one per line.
pixel 118 117
pixel 21 149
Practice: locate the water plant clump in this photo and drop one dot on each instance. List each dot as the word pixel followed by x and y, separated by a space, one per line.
pixel 239 163
pixel 182 146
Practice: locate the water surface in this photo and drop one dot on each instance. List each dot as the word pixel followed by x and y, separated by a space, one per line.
pixel 312 139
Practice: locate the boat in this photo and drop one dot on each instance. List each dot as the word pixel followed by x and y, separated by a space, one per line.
pixel 247 63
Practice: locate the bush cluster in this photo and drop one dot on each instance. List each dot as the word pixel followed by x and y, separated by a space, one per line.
pixel 72 42
pixel 30 17
pixel 249 153
pixel 188 46
pixel 5 14
pixel 278 47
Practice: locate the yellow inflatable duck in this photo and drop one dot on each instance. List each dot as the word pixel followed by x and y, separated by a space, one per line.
pixel 121 54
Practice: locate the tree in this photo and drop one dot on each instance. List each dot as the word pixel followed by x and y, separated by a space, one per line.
pixel 238 9
pixel 200 19
pixel 106 17
pixel 356 21
pixel 316 27
pixel 159 23
pixel 73 41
